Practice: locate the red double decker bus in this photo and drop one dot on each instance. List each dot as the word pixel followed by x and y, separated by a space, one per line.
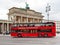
pixel 47 29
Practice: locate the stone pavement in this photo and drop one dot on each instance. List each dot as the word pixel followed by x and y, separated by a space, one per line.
pixel 8 40
pixel 4 35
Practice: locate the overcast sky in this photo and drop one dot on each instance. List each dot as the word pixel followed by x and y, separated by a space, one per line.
pixel 37 5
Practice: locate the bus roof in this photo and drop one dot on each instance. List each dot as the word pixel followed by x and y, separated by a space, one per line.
pixel 35 23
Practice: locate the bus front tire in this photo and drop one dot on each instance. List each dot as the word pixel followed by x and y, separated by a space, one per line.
pixel 19 35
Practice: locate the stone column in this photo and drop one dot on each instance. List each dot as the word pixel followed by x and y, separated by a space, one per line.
pixel 14 20
pixel 27 19
pixel 33 20
pixel 38 21
pixel 21 20
pixel 7 27
pixel 2 27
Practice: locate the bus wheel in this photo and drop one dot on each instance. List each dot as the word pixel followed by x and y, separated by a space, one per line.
pixel 19 35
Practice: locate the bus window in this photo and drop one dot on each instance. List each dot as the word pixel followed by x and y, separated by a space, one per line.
pixel 45 30
pixel 32 31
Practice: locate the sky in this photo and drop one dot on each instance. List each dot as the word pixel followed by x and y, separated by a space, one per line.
pixel 37 5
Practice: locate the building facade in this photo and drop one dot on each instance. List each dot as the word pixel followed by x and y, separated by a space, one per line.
pixel 5 26
pixel 20 15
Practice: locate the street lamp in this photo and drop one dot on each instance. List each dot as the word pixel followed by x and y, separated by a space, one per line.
pixel 47 11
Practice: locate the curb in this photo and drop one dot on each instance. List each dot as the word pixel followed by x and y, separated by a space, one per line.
pixel 4 35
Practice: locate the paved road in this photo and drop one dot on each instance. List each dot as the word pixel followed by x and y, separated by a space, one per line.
pixel 7 40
